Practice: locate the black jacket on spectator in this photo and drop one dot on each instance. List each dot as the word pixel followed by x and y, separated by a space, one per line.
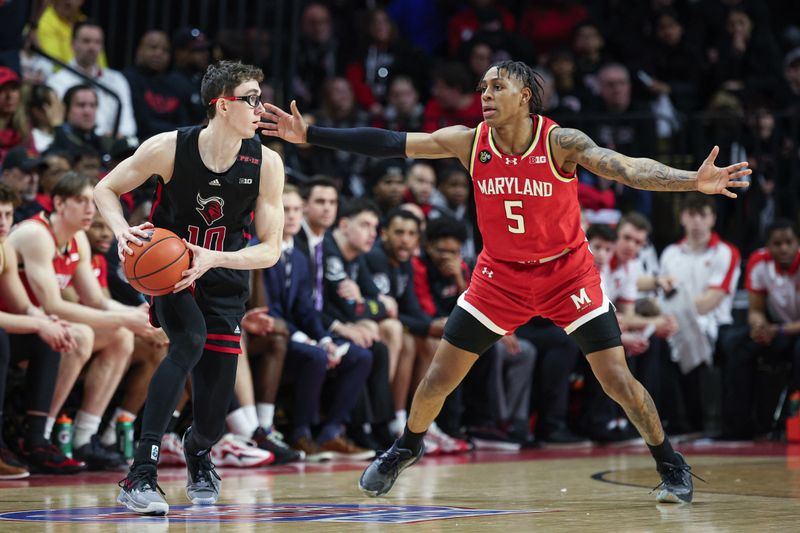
pixel 74 140
pixel 437 294
pixel 397 281
pixel 158 103
pixel 337 269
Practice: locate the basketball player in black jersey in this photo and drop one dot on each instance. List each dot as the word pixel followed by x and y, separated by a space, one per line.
pixel 212 181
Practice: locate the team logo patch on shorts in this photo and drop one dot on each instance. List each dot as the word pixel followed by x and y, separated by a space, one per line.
pixel 353 513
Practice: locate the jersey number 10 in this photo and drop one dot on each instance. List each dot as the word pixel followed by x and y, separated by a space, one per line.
pixel 519 226
pixel 212 238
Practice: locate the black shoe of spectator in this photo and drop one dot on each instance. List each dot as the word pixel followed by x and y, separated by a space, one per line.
pixel 98 457
pixel 564 438
pixel 282 452
pixel 48 459
pixel 362 439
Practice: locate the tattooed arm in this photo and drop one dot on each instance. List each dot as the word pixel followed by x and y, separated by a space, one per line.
pixel 573 147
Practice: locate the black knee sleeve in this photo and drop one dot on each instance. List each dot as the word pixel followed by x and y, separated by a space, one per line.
pixel 600 333
pixel 464 331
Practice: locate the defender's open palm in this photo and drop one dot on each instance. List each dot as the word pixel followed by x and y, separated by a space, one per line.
pixel 278 123
pixel 712 179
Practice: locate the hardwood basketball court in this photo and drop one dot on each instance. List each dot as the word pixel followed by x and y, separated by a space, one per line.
pixel 750 487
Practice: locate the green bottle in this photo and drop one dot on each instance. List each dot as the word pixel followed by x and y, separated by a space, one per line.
pixel 125 436
pixel 63 430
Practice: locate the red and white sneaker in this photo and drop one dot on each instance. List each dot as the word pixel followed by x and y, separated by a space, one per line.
pixel 237 452
pixel 447 444
pixel 171 451
pixel 432 448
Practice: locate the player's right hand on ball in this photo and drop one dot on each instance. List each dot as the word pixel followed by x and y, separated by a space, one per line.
pixel 132 235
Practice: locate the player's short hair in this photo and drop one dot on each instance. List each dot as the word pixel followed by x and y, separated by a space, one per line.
pixel 780 224
pixel 71 184
pixel 604 232
pixel 445 227
pixel 525 74
pixel 319 180
pixel 638 221
pixel 696 202
pixel 222 78
pixel 404 214
pixel 9 195
pixel 355 206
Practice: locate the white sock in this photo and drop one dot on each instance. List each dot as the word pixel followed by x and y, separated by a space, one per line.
pixel 239 424
pixel 397 425
pixel 86 425
pixel 48 427
pixel 109 436
pixel 266 411
pixel 251 414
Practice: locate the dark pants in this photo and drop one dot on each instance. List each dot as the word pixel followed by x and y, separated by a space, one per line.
pixel 557 357
pixel 375 404
pixel 307 368
pixel 739 376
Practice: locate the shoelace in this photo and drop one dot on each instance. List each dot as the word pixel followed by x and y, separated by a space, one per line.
pixel 139 479
pixel 205 469
pixel 675 473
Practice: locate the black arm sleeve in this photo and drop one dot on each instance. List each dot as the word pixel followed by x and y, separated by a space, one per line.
pixel 373 142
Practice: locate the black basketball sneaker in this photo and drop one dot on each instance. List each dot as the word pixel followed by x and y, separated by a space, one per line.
pixel 381 474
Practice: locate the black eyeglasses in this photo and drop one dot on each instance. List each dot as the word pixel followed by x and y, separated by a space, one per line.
pixel 252 99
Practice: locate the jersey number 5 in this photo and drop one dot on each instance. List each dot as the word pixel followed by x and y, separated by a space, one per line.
pixel 212 239
pixel 516 217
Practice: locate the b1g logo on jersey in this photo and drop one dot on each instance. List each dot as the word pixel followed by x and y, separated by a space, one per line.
pixel 484 156
pixel 537 159
pixel 210 208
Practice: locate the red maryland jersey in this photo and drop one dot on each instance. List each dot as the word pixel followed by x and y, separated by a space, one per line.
pixel 527 206
pixel 65 261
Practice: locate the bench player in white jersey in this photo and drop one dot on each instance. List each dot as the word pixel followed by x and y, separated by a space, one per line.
pixel 772 279
pixel 535 259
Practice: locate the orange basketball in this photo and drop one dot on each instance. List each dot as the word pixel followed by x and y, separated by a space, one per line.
pixel 156 266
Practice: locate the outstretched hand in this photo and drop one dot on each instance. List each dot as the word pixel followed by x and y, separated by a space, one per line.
pixel 712 179
pixel 278 123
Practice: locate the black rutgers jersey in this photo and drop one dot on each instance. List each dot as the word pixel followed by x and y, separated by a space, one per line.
pixel 212 210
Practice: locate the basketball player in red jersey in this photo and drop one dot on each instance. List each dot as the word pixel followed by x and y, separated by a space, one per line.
pixel 535 260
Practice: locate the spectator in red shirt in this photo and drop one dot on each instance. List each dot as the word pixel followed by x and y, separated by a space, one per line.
pixel 455 100
pixel 480 16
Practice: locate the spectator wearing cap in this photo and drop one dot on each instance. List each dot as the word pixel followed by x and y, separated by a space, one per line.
pixel 79 130
pixel 454 101
pixel 55 27
pixel 191 54
pixel 158 104
pixel 21 172
pixel 789 91
pixel 87 43
pixel 386 183
pixel 14 123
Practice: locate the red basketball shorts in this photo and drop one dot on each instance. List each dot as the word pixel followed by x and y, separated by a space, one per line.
pixel 567 290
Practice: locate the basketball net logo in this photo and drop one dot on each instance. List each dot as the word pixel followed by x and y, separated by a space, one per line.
pixel 210 208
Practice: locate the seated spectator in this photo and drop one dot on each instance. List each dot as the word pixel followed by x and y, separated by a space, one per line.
pixel 54 253
pixel 26 333
pixel 789 88
pixel 454 185
pixel 481 17
pixel 705 273
pixel 15 128
pixel 79 127
pixel 55 164
pixel 314 357
pixel 46 112
pixel 454 102
pixel 551 24
pixel 386 185
pixel 355 309
pixel 87 42
pixel 420 185
pixel 158 104
pixel 55 30
pixel 570 96
pixel 191 57
pixel 403 111
pixel 318 55
pixel 588 47
pixel 773 331
pixel 21 173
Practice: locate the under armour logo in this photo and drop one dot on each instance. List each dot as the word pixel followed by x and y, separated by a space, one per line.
pixel 487 272
pixel 214 183
pixel 511 160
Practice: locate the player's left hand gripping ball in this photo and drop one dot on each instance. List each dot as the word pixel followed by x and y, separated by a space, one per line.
pixel 202 260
